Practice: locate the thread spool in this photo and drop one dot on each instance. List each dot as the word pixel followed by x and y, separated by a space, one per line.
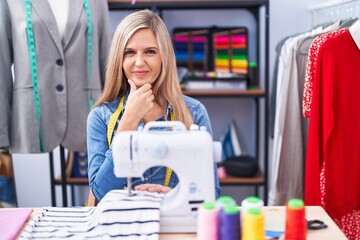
pixel 223 201
pixel 251 202
pixel 207 222
pixel 229 228
pixel 295 227
pixel 253 225
pixel 253 76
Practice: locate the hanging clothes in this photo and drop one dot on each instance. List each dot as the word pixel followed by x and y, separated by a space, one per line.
pixel 290 128
pixel 62 74
pixel 311 66
pixel 333 153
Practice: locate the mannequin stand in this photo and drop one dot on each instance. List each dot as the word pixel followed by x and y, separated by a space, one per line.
pixel 62 180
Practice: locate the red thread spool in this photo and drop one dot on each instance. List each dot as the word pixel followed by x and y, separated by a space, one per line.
pixel 296 226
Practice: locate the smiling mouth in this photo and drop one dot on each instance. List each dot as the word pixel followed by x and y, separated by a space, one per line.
pixel 140 73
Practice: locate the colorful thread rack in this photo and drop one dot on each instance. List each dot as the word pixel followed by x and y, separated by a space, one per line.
pixel 231 51
pixel 191 49
pixel 223 50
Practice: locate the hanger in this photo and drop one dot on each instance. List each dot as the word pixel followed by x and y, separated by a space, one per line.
pixel 304 44
pixel 348 22
pixel 325 24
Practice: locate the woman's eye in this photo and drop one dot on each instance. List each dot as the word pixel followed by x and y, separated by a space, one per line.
pixel 129 52
pixel 150 52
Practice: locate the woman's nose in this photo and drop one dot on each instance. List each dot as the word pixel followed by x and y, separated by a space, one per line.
pixel 139 60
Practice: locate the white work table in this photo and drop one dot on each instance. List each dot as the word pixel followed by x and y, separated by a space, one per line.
pixel 273 216
pixel 277 214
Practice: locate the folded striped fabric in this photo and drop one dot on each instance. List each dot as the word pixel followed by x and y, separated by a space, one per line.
pixel 117 216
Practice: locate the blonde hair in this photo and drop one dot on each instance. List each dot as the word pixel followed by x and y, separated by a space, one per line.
pixel 166 88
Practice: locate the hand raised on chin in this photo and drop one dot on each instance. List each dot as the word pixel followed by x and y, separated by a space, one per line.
pixel 140 100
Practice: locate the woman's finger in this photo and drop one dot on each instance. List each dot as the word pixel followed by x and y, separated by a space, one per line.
pixel 152 188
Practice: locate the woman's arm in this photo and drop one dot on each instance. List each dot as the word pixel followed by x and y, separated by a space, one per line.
pixel 101 166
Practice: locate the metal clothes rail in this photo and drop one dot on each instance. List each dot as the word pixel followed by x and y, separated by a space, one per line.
pixel 350 6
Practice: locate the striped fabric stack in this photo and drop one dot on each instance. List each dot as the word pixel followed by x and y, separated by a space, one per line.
pixel 117 216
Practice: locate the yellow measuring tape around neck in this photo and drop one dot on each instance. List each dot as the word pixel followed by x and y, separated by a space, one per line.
pixel 111 127
pixel 112 122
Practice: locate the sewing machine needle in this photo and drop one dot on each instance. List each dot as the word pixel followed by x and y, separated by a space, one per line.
pixel 129 185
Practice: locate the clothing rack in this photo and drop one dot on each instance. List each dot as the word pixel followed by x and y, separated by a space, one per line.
pixel 335 5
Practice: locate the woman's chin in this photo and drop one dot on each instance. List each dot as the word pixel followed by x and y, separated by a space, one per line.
pixel 139 83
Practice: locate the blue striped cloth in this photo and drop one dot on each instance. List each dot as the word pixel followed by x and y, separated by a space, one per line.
pixel 117 216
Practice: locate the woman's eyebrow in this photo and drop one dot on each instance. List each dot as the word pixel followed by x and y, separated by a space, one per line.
pixel 152 47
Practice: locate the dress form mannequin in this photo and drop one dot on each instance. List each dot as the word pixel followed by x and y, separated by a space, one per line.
pixel 60 38
pixel 61 51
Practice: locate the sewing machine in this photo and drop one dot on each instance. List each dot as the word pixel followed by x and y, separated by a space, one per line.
pixel 189 153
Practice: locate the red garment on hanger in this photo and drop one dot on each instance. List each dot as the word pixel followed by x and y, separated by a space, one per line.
pixel 334 130
pixel 311 66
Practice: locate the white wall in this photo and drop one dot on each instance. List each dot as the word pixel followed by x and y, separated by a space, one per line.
pixel 32 178
pixel 287 17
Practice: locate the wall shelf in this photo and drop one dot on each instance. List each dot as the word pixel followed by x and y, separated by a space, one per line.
pixel 229 180
pixel 183 4
pixel 258 179
pixel 257 93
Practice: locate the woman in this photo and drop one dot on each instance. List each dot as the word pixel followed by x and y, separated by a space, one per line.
pixel 142 83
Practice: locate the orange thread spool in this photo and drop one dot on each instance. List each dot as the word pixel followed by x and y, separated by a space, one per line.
pixel 296 226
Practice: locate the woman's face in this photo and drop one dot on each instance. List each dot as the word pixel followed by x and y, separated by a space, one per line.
pixel 142 60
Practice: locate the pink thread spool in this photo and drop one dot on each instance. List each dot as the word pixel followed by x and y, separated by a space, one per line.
pixel 207 222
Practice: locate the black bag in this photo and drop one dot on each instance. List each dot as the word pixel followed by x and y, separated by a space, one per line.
pixel 241 166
